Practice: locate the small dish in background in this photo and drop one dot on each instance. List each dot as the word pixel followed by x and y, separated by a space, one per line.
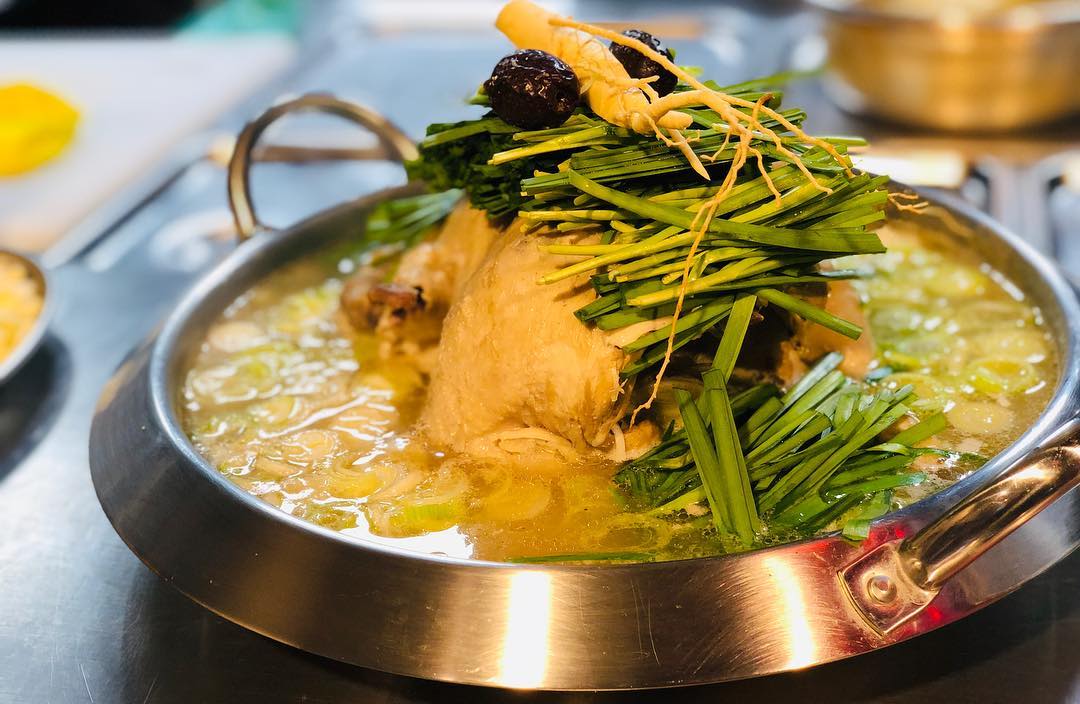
pixel 24 311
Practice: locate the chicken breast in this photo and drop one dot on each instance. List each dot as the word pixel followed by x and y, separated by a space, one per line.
pixel 514 363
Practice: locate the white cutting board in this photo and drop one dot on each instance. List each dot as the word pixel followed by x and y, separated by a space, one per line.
pixel 137 98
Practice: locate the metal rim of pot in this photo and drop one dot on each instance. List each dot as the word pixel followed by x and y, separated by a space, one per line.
pixel 558 626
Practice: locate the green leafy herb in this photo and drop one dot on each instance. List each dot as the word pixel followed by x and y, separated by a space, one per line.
pixel 796 464
pixel 408 219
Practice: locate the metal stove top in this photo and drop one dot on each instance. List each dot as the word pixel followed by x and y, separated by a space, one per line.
pixel 81 619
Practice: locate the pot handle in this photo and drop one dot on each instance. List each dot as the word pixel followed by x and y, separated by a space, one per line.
pixel 395 145
pixel 896 580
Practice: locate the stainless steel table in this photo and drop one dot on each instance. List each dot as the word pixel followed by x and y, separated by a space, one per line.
pixel 82 620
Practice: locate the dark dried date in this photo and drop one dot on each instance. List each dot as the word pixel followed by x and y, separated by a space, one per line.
pixel 533 89
pixel 640 66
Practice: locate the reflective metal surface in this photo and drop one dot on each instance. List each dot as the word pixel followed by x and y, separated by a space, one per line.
pixel 951 71
pixel 396 146
pixel 33 338
pixel 553 627
pixel 897 580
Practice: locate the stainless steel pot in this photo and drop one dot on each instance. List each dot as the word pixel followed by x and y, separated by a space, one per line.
pixel 948 71
pixel 571 627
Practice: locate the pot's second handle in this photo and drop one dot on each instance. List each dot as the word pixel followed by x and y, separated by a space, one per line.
pixel 895 581
pixel 395 144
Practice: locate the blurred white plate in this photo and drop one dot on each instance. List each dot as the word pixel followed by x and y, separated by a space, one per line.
pixel 136 98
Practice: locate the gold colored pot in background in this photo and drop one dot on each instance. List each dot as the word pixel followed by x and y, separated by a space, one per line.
pixel 954 70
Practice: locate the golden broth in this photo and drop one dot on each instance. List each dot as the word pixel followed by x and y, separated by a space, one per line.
pixel 963 336
pixel 296 409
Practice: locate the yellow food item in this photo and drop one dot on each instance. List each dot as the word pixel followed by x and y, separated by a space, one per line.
pixel 20 304
pixel 981 417
pixel 996 375
pixel 35 126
